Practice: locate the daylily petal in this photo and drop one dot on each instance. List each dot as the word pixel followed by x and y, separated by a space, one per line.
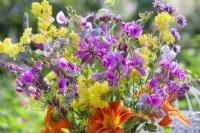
pixel 169 111
pixel 117 130
pixel 63 124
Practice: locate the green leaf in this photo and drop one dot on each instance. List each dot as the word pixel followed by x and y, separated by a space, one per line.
pixel 101 11
pixel 151 127
pixel 112 2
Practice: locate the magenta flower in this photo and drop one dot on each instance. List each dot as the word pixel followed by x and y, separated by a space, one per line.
pixel 91 49
pixel 132 29
pixel 61 19
pixel 62 85
pixel 156 100
pixel 27 76
pixel 154 83
pixel 111 59
pixel 62 63
pixel 109 75
pixel 31 90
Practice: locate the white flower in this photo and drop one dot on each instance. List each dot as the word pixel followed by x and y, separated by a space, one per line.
pixel 61 19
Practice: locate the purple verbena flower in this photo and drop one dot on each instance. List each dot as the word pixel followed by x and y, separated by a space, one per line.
pixel 158 5
pixel 169 8
pixel 180 19
pixel 175 33
pixel 176 48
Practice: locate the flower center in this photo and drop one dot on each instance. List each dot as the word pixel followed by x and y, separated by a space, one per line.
pixel 111 122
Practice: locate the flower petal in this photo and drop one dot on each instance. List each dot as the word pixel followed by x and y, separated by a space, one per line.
pixel 61 123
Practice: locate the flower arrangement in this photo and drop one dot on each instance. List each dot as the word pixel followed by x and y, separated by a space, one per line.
pixel 99 74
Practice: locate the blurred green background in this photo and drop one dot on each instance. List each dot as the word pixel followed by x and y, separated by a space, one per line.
pixel 15 115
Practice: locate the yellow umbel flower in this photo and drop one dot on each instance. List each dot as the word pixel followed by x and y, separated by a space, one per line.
pixel 39 38
pixel 148 40
pixel 25 39
pixel 36 9
pixel 62 31
pixel 168 37
pixel 164 19
pixel 147 55
pixel 90 95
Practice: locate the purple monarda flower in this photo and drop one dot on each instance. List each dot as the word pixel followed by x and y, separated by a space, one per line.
pixel 91 48
pixel 180 19
pixel 131 29
pixel 169 8
pixel 61 19
pixel 175 33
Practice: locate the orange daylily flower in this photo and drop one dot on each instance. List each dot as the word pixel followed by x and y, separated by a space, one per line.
pixel 54 127
pixel 170 111
pixel 108 120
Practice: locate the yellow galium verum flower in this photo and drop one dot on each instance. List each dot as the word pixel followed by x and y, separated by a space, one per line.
pixel 43 24
pixel 46 8
pixel 36 9
pixel 147 55
pixel 163 20
pixel 1 47
pixel 148 40
pixel 11 49
pixel 39 38
pixel 52 31
pixel 74 38
pixel 26 39
pixel 62 31
pixel 90 95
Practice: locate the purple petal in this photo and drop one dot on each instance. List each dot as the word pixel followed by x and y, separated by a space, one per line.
pixel 19 89
pixel 31 90
pixel 62 83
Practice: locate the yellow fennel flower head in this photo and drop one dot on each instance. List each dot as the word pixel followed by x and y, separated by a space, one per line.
pixel 52 31
pixel 46 8
pixel 39 38
pixel 25 39
pixel 163 19
pixel 36 9
pixel 148 40
pixel 62 31
pixel 43 24
pixel 168 37
pixel 74 38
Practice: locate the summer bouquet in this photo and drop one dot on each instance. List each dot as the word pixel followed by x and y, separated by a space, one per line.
pixel 100 74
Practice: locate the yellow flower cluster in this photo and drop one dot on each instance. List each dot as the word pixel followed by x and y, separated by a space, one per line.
pixel 90 95
pixel 39 38
pixel 74 38
pixel 43 12
pixel 163 20
pixel 50 77
pixel 11 49
pixel 147 55
pixel 148 40
pixel 62 31
pixel 52 31
pixel 25 39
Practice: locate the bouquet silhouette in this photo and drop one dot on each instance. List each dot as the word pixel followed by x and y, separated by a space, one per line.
pixel 100 74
